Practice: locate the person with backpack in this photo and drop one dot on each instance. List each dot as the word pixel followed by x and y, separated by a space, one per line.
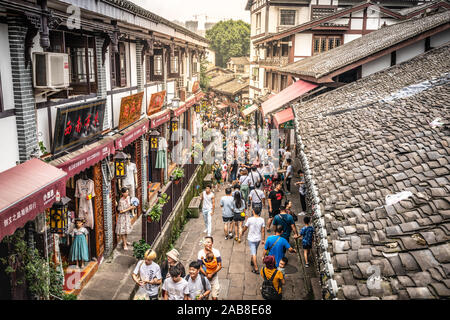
pixel 244 183
pixel 213 278
pixel 199 286
pixel 217 173
pixel 271 288
pixel 287 222
pixel 257 198
pixel 276 246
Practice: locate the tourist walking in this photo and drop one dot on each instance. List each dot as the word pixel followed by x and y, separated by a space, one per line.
pixel 147 276
pixel 224 168
pixel 307 232
pixel 198 284
pixel 212 277
pixel 208 207
pixel 244 183
pixel 275 200
pixel 173 259
pixel 277 245
pixel 257 199
pixel 175 287
pixel 286 221
pixel 226 202
pixel 289 175
pixel 302 190
pixel 234 170
pixel 239 215
pixel 256 235
pixel 273 280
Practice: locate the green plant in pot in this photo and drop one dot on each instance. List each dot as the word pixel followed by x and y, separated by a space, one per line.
pixel 177 174
pixel 139 249
pixel 154 214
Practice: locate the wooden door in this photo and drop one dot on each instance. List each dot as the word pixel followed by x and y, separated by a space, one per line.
pixel 98 210
pixel 138 157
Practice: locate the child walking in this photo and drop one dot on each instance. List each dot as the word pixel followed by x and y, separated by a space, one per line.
pixel 307 233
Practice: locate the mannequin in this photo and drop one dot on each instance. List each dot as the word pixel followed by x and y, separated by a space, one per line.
pixel 130 180
pixel 84 190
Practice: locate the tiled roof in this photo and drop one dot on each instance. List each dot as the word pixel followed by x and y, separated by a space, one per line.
pixel 322 64
pixel 220 79
pixel 128 5
pixel 371 139
pixel 240 60
pixel 233 87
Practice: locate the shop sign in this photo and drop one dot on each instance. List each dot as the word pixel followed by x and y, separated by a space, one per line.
pixel 156 102
pixel 287 125
pixel 157 121
pixel 130 109
pixel 195 87
pixel 132 135
pixel 77 124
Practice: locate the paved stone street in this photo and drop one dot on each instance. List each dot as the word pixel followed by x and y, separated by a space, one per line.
pixel 236 280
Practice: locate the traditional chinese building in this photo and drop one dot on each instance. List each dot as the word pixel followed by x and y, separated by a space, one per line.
pixel 80 83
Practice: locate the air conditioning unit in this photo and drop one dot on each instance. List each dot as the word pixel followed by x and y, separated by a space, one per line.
pixel 50 70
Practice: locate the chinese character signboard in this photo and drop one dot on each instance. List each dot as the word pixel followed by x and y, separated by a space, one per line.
pixel 156 102
pixel 130 109
pixel 77 124
pixel 287 125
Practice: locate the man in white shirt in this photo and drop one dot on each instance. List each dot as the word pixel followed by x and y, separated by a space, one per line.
pixel 175 287
pixel 198 284
pixel 213 278
pixel 256 235
pixel 208 207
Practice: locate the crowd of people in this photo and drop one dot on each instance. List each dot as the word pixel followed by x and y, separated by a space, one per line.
pixel 254 179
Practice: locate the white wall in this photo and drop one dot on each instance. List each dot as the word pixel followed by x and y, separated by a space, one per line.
pixel 350 37
pixel 303 44
pixel 8 128
pixel 376 65
pixel 436 40
pixel 411 51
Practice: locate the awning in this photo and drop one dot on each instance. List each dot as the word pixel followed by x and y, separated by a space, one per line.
pixel 200 95
pixel 285 96
pixel 83 158
pixel 222 106
pixel 159 118
pixel 27 190
pixel 283 116
pixel 250 110
pixel 131 133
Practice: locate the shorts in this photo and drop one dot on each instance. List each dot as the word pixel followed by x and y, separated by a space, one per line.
pixel 238 217
pixel 253 247
pixel 215 286
pixel 227 219
pixel 307 246
pixel 273 213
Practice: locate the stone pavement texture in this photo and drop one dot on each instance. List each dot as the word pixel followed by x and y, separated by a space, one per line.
pixel 236 280
pixel 113 280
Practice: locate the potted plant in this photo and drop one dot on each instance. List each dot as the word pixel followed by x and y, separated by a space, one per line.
pixel 177 174
pixel 139 249
pixel 154 214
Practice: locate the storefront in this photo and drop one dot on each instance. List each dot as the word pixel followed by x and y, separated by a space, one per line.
pixel 284 121
pixel 75 125
pixel 26 192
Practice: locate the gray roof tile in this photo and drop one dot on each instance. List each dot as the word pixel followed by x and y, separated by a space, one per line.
pixel 419 293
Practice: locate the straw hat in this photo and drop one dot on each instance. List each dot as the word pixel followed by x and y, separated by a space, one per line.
pixel 173 254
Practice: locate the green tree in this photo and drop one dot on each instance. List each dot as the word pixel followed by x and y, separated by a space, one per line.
pixel 204 78
pixel 229 39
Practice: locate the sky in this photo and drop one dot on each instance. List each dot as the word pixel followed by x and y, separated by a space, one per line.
pixel 182 10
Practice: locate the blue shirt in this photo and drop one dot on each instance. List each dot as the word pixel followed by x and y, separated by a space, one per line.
pixel 286 221
pixel 278 249
pixel 307 233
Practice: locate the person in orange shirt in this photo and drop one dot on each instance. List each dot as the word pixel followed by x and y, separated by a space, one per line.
pixel 267 273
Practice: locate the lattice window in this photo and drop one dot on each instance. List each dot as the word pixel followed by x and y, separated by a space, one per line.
pixel 287 17
pixel 325 43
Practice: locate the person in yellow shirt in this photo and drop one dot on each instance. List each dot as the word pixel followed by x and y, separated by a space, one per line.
pixel 267 273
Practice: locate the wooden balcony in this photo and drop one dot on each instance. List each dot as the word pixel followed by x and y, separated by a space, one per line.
pixel 274 61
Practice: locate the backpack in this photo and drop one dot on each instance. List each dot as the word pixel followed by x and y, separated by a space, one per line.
pixel 268 291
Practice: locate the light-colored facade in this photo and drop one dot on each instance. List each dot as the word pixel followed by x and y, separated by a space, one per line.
pixel 283 32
